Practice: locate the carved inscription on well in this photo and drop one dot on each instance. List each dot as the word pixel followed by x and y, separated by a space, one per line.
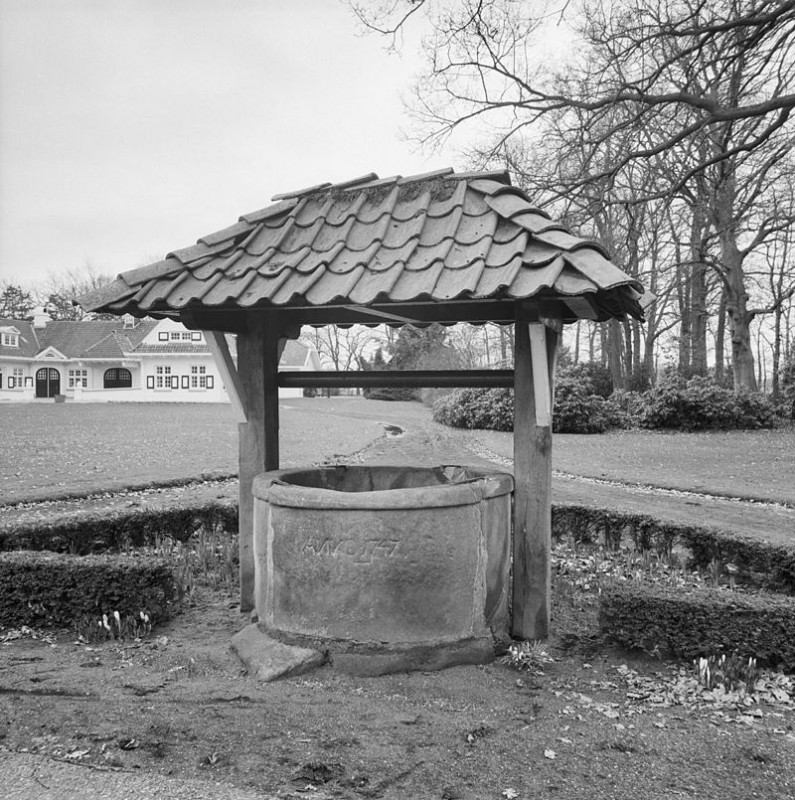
pixel 360 551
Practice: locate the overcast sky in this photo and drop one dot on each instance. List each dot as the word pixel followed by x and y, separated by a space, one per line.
pixel 129 128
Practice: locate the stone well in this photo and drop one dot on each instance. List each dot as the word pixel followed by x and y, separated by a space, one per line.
pixel 384 568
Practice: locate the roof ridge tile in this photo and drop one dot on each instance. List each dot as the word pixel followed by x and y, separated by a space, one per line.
pixel 353 183
pixel 502 175
pixel 427 176
pixel 301 192
pixel 378 182
pixel 269 211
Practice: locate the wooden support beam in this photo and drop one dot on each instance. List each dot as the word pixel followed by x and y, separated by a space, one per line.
pixel 542 393
pixel 259 349
pixel 216 341
pixel 533 478
pixel 389 378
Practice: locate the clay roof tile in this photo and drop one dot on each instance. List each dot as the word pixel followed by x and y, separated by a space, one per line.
pixel 435 236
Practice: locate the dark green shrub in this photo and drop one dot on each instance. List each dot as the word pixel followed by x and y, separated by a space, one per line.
pixel 118 529
pixel 577 408
pixel 696 622
pixel 484 409
pixel 597 375
pixel 701 404
pixel 639 380
pixel 48 589
pixel 624 409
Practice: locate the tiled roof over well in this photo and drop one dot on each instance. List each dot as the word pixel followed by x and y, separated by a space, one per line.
pixel 437 237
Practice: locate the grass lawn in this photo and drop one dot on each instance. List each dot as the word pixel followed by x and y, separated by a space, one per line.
pixel 53 449
pixel 750 464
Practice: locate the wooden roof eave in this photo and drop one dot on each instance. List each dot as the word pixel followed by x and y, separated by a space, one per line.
pixel 499 310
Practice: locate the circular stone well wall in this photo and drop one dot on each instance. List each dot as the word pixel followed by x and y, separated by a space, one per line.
pixel 386 568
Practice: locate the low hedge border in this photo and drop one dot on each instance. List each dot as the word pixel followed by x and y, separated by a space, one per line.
pixel 118 530
pixel 174 483
pixel 43 588
pixel 759 563
pixel 700 622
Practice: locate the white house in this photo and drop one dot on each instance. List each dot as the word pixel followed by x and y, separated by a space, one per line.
pixel 124 360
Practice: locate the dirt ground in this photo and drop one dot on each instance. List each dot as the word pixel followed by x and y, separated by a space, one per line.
pixel 180 705
pixel 599 723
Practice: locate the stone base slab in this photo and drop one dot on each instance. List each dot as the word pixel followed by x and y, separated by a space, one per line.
pixel 268 660
pixel 426 658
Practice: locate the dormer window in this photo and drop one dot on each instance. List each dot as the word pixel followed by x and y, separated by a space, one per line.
pixel 9 339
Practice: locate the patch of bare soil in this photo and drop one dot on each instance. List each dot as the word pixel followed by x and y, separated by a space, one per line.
pixel 596 725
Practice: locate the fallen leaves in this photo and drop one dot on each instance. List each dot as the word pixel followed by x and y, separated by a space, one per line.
pixel 682 688
pixel 25 632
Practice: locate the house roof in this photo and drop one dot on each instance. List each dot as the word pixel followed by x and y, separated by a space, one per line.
pixel 77 339
pixel 28 343
pixel 437 237
pixel 294 354
pixel 94 339
pixel 172 348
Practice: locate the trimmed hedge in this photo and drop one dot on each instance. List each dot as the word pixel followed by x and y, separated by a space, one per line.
pixel 117 530
pixel 58 589
pixel 766 565
pixel 759 563
pixel 700 622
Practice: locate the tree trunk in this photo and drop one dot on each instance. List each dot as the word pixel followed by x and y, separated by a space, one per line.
pixel 614 360
pixel 720 338
pixel 776 389
pixel 734 281
pixel 698 293
pixel 739 321
pixel 683 299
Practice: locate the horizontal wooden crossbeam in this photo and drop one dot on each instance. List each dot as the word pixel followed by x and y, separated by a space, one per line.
pixel 381 379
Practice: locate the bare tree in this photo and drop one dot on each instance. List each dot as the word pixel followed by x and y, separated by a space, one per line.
pixel 629 56
pixel 695 95
pixel 343 347
pixel 63 288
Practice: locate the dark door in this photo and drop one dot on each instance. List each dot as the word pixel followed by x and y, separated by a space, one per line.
pixel 48 382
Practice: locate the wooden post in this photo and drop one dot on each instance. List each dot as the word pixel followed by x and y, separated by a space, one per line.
pixel 216 341
pixel 258 352
pixel 532 446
